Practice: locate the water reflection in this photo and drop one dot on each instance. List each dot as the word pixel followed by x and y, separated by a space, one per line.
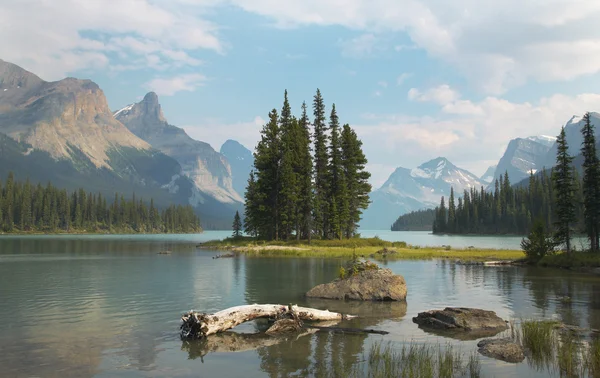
pixel 99 306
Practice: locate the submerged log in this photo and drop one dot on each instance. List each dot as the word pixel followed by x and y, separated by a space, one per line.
pixel 197 325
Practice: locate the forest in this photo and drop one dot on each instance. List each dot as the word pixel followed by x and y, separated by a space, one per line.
pixel 36 208
pixel 564 200
pixel 309 180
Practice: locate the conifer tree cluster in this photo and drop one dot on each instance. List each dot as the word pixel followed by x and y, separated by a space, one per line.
pixel 561 200
pixel 295 193
pixel 35 208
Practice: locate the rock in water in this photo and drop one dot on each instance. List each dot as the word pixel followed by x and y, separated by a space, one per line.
pixel 502 349
pixel 368 285
pixel 461 318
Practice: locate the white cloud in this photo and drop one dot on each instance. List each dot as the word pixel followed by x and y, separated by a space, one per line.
pixel 495 44
pixel 170 86
pixel 442 95
pixel 403 77
pixel 53 38
pixel 472 135
pixel 360 46
pixel 216 132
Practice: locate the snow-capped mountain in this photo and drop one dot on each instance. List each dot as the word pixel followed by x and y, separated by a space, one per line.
pixel 407 190
pixel 523 156
pixel 488 176
pixel 574 137
pixel 241 160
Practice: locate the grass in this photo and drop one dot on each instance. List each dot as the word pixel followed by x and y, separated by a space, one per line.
pixel 593 358
pixel 360 247
pixel 575 260
pixel 419 360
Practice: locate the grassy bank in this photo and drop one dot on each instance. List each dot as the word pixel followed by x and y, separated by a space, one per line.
pixel 368 247
pixel 577 260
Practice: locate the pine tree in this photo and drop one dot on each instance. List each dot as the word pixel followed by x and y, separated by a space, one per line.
pixel 591 184
pixel 237 225
pixel 252 207
pixel 441 218
pixel 288 171
pixel 338 196
pixel 26 220
pixel 305 195
pixel 321 160
pixel 451 225
pixel 356 179
pixel 267 158
pixel 563 186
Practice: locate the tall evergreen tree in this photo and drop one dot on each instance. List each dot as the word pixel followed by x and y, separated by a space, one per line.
pixel 338 194
pixel 267 158
pixel 563 186
pixel 252 207
pixel 321 160
pixel 356 179
pixel 289 179
pixel 591 184
pixel 237 225
pixel 305 195
pixel 451 225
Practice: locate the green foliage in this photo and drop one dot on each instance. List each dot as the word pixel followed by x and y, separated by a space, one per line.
pixel 420 220
pixel 564 187
pixel 574 260
pixel 237 225
pixel 342 273
pixel 281 201
pixel 538 243
pixel 49 209
pixel 591 184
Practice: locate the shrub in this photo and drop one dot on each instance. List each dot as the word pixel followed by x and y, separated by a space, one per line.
pixel 538 243
pixel 342 273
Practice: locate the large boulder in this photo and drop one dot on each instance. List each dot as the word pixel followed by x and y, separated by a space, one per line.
pixel 502 349
pixel 461 319
pixel 366 285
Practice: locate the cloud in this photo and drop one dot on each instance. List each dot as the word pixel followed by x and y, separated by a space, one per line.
pixel 497 46
pixel 403 77
pixel 359 47
pixel 170 86
pixel 216 132
pixel 98 33
pixel 471 134
pixel 442 95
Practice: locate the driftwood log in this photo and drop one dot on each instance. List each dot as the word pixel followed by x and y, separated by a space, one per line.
pixel 197 325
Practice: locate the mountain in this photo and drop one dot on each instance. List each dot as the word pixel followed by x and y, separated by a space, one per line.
pixel 488 176
pixel 574 137
pixel 207 169
pixel 522 156
pixel 64 132
pixel 241 160
pixel 408 190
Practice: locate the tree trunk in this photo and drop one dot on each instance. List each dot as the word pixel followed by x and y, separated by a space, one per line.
pixel 199 325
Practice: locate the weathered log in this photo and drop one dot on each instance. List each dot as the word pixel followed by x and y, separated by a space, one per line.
pixel 197 325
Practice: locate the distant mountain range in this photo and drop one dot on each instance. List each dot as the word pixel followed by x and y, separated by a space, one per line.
pixel 408 190
pixel 241 160
pixel 64 132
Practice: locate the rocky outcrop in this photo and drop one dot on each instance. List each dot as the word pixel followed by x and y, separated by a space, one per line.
pixel 207 169
pixel 461 319
pixel 502 349
pixel 367 285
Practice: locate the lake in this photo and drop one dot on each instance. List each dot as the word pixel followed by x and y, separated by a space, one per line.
pixel 106 306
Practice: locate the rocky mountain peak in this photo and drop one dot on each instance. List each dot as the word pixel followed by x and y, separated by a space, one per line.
pixel 13 76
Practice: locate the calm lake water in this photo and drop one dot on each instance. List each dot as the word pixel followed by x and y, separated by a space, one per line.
pixel 109 306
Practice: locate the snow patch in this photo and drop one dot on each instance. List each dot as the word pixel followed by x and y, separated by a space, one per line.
pixel 418 172
pixel 5 89
pixel 124 110
pixel 575 119
pixel 171 186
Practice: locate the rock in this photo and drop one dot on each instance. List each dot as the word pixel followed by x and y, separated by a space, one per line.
pixel 461 318
pixel 384 253
pixel 284 326
pixel 367 285
pixel 502 349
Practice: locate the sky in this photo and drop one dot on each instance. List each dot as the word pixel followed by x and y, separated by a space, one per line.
pixel 416 79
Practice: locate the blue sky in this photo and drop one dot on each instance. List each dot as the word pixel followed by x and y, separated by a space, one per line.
pixel 417 79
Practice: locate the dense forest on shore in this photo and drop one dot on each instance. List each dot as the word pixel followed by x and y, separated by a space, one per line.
pixel 420 220
pixel 295 193
pixel 561 199
pixel 35 208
